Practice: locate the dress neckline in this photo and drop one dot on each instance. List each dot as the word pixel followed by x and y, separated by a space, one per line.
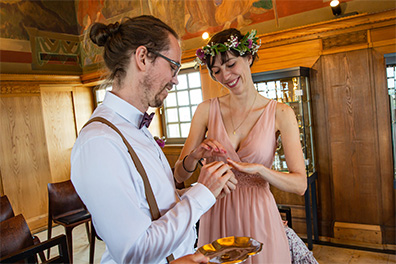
pixel 248 134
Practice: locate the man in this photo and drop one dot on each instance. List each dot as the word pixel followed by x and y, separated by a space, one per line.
pixel 143 55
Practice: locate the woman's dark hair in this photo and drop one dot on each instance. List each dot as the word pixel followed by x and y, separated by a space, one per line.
pixel 222 37
pixel 119 40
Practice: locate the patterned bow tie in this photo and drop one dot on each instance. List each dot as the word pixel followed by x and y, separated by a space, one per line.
pixel 146 120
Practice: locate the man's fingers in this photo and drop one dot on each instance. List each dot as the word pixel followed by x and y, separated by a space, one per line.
pixel 218 167
pixel 233 179
pixel 231 186
pixel 200 258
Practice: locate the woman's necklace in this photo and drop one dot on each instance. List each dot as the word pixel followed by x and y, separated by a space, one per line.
pixel 232 121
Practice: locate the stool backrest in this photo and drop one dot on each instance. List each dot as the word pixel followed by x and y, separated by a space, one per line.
pixel 15 235
pixel 6 210
pixel 63 199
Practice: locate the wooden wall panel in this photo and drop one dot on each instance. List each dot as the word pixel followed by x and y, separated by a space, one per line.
pixel 24 158
pixel 387 203
pixel 352 133
pixel 303 54
pixel 60 131
pixel 322 151
pixel 83 105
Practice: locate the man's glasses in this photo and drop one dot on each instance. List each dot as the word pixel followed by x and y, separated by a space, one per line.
pixel 175 66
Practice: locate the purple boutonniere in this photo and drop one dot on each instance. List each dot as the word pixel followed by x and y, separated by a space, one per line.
pixel 160 141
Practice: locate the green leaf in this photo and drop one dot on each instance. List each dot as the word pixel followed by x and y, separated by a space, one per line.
pixel 265 4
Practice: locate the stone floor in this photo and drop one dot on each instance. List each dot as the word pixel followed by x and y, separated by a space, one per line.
pixel 323 254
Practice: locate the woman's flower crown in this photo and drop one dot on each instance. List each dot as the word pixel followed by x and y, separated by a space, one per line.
pixel 247 44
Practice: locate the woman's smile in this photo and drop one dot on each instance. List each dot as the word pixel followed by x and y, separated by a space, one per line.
pixel 233 83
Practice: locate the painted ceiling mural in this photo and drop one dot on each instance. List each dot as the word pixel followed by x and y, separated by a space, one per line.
pixel 61 19
pixel 190 18
pixel 54 16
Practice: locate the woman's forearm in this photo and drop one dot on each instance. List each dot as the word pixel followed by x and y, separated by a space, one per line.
pixel 185 167
pixel 294 182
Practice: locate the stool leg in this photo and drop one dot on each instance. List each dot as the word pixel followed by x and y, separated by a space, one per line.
pixel 308 218
pixel 49 233
pixel 88 233
pixel 69 243
pixel 92 244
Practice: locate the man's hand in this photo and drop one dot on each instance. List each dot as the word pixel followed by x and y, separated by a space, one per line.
pixel 195 258
pixel 217 177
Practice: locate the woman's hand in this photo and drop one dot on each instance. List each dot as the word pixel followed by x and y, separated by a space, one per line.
pixel 208 148
pixel 249 168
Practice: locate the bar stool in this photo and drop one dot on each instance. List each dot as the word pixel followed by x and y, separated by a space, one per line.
pixel 6 210
pixel 66 209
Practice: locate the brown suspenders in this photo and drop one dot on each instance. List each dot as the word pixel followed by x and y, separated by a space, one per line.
pixel 147 187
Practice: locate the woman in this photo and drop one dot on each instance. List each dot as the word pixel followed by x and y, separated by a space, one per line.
pixel 242 129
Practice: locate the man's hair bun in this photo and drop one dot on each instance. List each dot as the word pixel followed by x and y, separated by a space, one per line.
pixel 100 33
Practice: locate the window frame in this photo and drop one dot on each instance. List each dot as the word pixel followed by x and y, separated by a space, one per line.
pixel 180 140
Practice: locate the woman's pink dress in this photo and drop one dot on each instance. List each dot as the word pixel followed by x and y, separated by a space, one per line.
pixel 250 210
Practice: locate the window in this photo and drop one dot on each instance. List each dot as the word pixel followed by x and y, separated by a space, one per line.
pixel 100 92
pixel 180 105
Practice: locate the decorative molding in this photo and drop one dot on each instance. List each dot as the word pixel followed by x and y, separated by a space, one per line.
pixel 10 88
pixel 327 28
pixel 55 51
pixel 347 39
pixel 29 84
pixel 42 79
pixel 94 78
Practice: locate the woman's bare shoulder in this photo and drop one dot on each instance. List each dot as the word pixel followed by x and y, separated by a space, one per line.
pixel 204 106
pixel 284 116
pixel 284 110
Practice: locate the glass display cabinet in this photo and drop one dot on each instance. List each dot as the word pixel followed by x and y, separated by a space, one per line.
pixel 291 86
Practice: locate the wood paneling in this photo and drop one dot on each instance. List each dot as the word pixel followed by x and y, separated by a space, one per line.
pixel 38 130
pixel 25 168
pixel 303 54
pixel 352 133
pixel 60 131
pixel 322 151
pixel 83 103
pixel 358 232
pixel 387 195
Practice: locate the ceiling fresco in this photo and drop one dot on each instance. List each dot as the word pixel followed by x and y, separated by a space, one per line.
pixel 49 35
pixel 189 18
pixel 54 16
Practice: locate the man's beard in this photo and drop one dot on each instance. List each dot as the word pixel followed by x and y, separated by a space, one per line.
pixel 157 101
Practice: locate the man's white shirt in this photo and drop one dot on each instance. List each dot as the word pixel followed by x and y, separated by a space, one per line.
pixel 108 183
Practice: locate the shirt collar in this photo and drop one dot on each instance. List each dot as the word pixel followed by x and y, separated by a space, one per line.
pixel 123 108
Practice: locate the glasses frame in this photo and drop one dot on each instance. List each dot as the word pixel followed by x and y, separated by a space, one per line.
pixel 178 65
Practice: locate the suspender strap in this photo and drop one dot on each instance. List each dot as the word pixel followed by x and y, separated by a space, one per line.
pixel 155 214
